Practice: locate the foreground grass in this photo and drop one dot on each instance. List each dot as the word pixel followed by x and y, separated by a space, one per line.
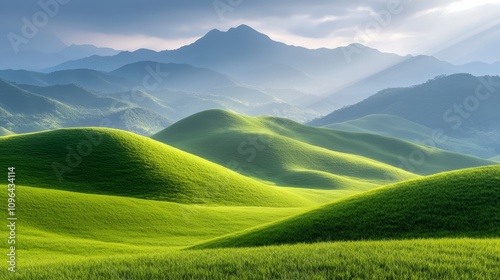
pixel 464 203
pixel 55 225
pixel 409 259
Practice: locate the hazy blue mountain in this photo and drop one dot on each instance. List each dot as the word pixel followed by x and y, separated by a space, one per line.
pixel 74 95
pixel 460 105
pixel 28 108
pixel 90 79
pixel 343 75
pixel 411 71
pixel 149 74
pixel 396 127
pixel 47 53
pixel 242 52
pixel 145 74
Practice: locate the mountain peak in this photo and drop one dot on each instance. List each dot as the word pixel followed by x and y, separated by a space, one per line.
pixel 242 28
pixel 240 33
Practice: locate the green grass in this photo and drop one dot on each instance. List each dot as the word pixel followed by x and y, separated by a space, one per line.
pixel 397 127
pixel 130 205
pixel 455 204
pixel 55 224
pixel 113 162
pixel 287 153
pixel 409 259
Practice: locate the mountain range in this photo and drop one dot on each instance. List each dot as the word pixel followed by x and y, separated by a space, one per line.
pixel 342 76
pixel 459 107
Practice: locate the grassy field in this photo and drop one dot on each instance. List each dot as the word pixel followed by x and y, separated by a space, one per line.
pixel 409 259
pixel 129 207
pixel 113 162
pixel 394 126
pixel 287 153
pixel 462 203
pixel 60 224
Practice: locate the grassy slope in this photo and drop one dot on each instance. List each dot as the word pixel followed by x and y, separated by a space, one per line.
pixel 60 223
pixel 289 153
pixel 409 259
pixel 120 163
pixel 394 126
pixel 454 204
pixel 226 138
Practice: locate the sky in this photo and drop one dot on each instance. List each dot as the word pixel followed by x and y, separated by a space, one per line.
pixel 456 30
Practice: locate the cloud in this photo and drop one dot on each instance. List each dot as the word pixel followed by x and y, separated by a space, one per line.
pixel 315 23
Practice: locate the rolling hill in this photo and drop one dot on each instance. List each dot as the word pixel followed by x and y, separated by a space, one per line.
pixel 396 127
pixel 288 153
pixel 113 162
pixel 463 203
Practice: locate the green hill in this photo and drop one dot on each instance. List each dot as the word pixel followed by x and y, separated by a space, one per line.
pixel 113 162
pixel 462 203
pixel 396 127
pixel 288 153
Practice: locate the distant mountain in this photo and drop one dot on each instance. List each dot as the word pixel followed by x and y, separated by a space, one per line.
pixel 90 79
pixel 145 74
pixel 37 59
pixel 460 105
pixel 246 54
pixel 343 75
pixel 26 108
pixel 172 90
pixel 149 74
pixel 396 127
